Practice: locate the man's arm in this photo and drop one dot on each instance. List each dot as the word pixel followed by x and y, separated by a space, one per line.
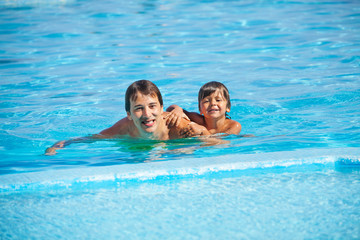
pixel 120 128
pixel 61 144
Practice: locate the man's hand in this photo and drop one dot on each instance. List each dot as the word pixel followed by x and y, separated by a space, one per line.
pixel 52 150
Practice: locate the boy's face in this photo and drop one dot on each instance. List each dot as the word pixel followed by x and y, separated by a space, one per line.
pixel 214 105
pixel 146 113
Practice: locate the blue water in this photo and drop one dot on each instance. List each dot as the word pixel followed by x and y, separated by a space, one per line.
pixel 292 68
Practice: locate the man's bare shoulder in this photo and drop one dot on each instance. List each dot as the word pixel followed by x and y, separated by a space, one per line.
pixel 121 127
pixel 176 131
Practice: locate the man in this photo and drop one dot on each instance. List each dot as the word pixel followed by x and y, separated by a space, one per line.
pixel 145 119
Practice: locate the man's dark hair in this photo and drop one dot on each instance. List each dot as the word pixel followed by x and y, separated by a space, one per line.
pixel 144 87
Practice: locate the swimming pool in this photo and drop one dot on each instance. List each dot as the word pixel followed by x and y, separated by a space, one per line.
pixel 292 69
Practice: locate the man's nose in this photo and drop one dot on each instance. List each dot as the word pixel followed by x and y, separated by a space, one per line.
pixel 146 112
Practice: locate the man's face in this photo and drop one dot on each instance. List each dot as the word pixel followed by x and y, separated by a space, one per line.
pixel 146 113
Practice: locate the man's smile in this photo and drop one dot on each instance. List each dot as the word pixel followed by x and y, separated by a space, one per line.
pixel 148 123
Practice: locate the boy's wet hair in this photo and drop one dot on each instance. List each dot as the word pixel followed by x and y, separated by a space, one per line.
pixel 144 87
pixel 211 87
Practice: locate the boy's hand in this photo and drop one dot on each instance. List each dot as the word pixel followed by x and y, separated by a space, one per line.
pixel 174 117
pixel 192 130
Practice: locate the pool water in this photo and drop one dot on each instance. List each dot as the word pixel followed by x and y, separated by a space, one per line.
pixel 292 69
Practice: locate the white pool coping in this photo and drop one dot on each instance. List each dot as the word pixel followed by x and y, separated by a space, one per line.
pixel 180 167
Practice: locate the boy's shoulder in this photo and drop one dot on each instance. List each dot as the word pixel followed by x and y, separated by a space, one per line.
pixel 233 127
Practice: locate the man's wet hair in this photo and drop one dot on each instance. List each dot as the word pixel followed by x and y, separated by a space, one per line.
pixel 144 87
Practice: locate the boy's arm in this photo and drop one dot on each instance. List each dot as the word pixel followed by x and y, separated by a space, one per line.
pixel 193 129
pixel 187 128
pixel 173 116
pixel 176 113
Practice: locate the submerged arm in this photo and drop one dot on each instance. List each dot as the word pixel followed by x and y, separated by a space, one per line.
pixel 61 144
pixel 119 128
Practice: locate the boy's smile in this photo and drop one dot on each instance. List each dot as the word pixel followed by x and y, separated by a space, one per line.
pixel 214 105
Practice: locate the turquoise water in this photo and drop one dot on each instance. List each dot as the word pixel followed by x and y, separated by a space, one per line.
pixel 292 68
